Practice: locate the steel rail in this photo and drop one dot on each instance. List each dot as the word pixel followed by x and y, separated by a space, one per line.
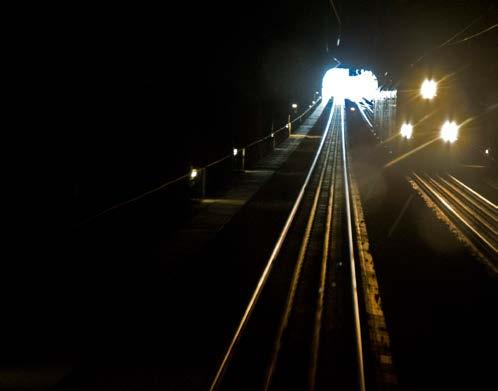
pixel 354 286
pixel 458 204
pixel 297 273
pixel 471 218
pixel 472 200
pixel 455 213
pixel 315 346
pixel 479 196
pixel 266 271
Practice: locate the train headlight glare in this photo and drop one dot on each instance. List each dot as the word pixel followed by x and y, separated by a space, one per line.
pixel 449 131
pixel 407 130
pixel 428 89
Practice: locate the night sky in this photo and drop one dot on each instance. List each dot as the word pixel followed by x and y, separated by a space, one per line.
pixel 162 88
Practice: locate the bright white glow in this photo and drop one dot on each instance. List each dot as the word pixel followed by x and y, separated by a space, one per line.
pixel 235 151
pixel 310 106
pixel 352 109
pixel 316 92
pixel 449 131
pixel 272 135
pixel 287 126
pixel 294 106
pixel 387 94
pixel 313 102
pixel 428 89
pixel 335 84
pixel 486 151
pixel 193 173
pixel 364 85
pixel 338 84
pixel 407 130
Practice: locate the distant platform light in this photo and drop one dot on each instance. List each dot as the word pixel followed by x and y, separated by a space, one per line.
pixel 316 92
pixel 486 151
pixel 449 131
pixel 235 151
pixel 193 173
pixel 310 106
pixel 407 130
pixel 313 102
pixel 294 106
pixel 272 135
pixel 352 109
pixel 428 90
pixel 287 126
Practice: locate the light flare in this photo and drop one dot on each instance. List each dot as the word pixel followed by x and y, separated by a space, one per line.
pixel 449 131
pixel 407 130
pixel 428 90
pixel 409 153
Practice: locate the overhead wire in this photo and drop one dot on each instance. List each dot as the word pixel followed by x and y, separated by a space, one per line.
pixel 332 4
pixel 475 35
pixel 447 41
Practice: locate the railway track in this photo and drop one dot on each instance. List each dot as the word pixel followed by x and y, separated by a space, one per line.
pixel 311 323
pixel 474 217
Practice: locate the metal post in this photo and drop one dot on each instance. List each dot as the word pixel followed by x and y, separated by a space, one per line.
pixel 272 137
pixel 203 182
pixel 243 165
pixel 290 125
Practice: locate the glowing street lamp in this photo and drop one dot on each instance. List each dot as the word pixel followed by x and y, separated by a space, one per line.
pixel 407 130
pixel 294 105
pixel 449 131
pixel 428 89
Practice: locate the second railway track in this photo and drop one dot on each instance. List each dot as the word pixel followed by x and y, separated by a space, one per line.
pixel 475 217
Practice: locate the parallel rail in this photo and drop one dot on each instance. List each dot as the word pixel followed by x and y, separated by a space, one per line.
pixel 302 327
pixel 474 216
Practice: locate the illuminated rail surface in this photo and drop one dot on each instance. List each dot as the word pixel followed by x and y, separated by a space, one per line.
pixel 475 216
pixel 302 327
